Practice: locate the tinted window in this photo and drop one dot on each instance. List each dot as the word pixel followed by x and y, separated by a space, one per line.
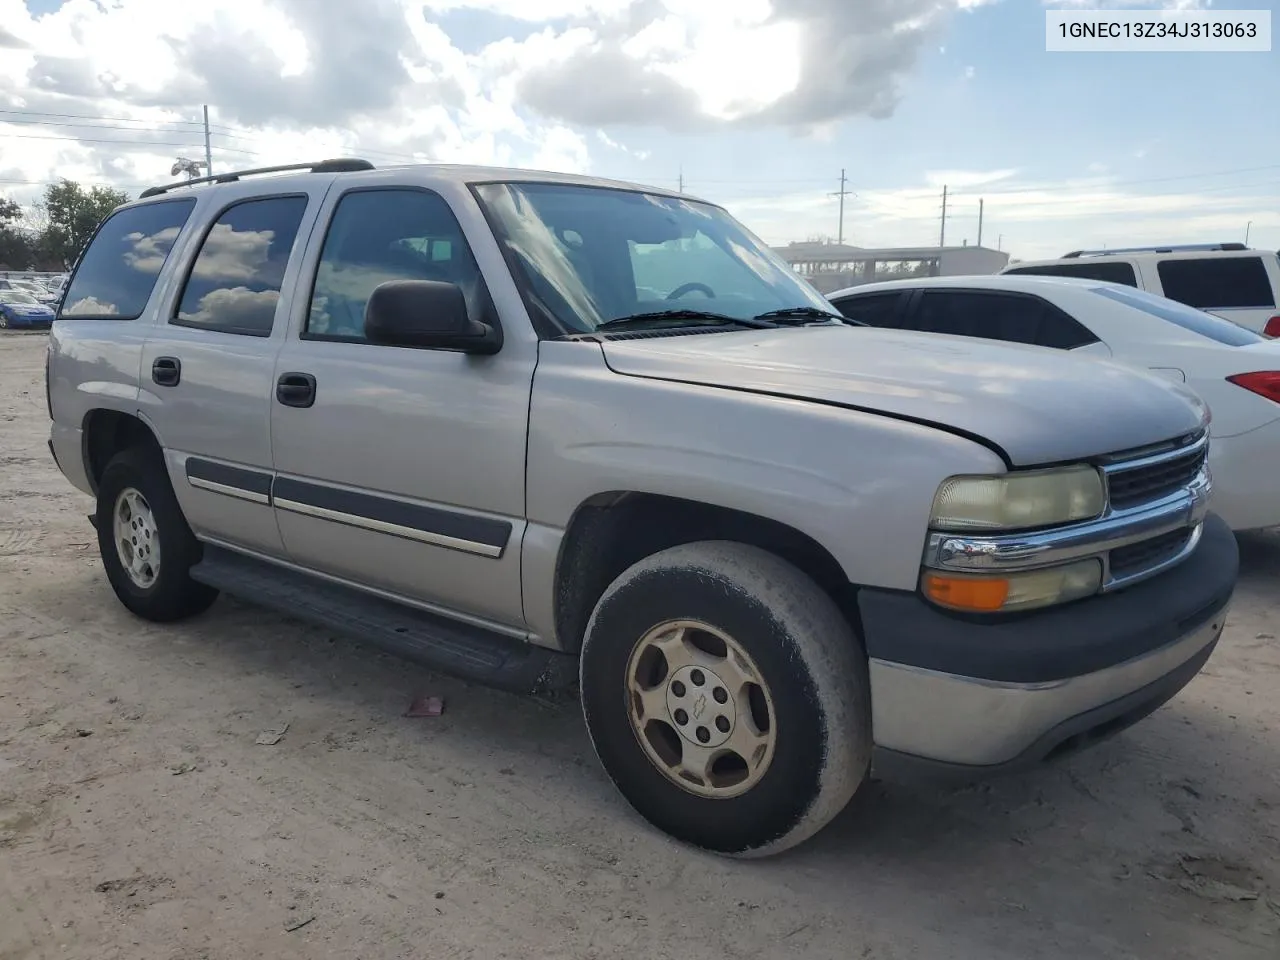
pixel 1112 271
pixel 1197 321
pixel 873 309
pixel 1216 282
pixel 118 271
pixel 235 281
pixel 998 316
pixel 380 235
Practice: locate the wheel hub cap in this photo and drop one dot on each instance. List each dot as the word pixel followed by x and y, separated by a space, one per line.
pixel 700 706
pixel 136 537
pixel 700 709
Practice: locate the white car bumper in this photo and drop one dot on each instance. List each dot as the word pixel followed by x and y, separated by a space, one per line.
pixel 1246 493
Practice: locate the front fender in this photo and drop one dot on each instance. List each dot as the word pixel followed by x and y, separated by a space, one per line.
pixel 861 485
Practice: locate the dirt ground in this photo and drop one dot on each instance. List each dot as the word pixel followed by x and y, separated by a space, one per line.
pixel 139 818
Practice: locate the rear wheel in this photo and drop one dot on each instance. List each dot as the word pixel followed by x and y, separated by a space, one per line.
pixel 726 697
pixel 146 546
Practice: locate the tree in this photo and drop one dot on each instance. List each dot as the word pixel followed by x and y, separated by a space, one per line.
pixel 17 251
pixel 73 213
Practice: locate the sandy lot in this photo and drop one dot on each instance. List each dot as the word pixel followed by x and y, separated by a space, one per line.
pixel 139 818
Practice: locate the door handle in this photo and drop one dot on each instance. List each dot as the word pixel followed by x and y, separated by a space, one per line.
pixel 296 389
pixel 166 371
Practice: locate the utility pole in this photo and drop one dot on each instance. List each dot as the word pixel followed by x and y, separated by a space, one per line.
pixel 980 202
pixel 1247 227
pixel 1000 243
pixel 682 178
pixel 208 151
pixel 942 237
pixel 842 193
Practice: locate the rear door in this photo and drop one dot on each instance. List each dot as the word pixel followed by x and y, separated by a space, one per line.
pixel 1240 288
pixel 208 364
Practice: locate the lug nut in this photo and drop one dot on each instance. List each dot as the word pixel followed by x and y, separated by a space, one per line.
pixel 681 717
pixel 677 688
pixel 698 678
pixel 703 734
pixel 722 724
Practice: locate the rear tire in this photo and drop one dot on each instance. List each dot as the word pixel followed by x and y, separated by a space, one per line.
pixel 146 546
pixel 727 698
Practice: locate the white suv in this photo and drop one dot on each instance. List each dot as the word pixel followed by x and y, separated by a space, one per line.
pixel 1226 279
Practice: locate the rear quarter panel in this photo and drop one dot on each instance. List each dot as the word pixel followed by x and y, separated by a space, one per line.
pixel 96 364
pixel 860 484
pixel 93 365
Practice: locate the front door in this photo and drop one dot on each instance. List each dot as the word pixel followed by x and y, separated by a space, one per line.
pixel 400 469
pixel 208 364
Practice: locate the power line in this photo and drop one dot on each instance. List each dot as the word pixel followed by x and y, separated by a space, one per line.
pixel 123 143
pixel 82 116
pixel 86 125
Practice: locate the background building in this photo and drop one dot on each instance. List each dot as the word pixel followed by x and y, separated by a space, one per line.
pixel 833 266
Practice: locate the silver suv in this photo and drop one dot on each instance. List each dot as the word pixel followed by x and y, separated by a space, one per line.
pixel 542 431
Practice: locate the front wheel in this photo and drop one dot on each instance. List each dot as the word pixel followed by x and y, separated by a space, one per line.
pixel 146 546
pixel 726 697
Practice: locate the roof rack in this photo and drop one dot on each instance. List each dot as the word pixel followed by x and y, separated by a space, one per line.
pixel 339 165
pixel 1175 248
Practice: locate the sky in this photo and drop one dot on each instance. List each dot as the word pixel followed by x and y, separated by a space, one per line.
pixel 758 105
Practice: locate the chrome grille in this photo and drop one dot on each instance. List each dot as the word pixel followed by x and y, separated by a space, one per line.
pixel 1154 477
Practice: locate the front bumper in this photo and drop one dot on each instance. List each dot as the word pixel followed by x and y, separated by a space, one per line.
pixel 969 696
pixel 19 322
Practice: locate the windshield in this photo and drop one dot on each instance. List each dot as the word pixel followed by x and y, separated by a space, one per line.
pixel 1189 318
pixel 16 296
pixel 588 255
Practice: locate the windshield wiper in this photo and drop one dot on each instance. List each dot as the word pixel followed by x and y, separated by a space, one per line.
pixel 695 317
pixel 799 313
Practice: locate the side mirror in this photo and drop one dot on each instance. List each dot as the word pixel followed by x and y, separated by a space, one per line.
pixel 426 314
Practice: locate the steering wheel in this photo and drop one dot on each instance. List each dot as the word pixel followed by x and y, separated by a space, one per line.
pixel 684 288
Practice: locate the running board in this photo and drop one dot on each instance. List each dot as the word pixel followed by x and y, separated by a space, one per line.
pixel 448 646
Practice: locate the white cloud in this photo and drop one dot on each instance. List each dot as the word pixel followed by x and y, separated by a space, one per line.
pixel 290 79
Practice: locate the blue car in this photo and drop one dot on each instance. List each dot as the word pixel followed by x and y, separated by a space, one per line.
pixel 22 311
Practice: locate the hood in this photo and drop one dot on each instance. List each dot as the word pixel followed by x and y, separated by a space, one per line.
pixel 1034 404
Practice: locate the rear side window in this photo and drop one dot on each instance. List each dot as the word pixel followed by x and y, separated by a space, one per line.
pixel 235 282
pixel 118 271
pixel 998 316
pixel 873 309
pixel 1210 283
pixel 1197 321
pixel 1111 271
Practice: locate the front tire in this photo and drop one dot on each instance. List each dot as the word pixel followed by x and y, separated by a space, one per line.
pixel 727 698
pixel 146 546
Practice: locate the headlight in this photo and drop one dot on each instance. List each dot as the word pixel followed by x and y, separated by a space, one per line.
pixel 1007 593
pixel 1019 501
